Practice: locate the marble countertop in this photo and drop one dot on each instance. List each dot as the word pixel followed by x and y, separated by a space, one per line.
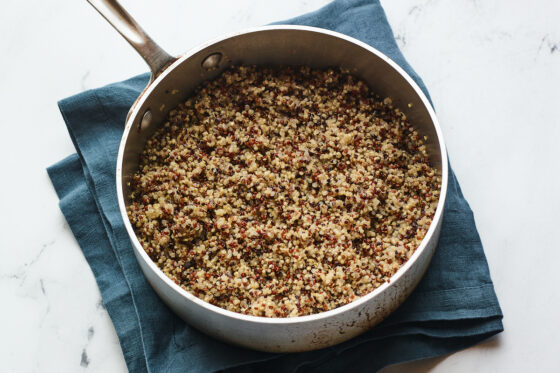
pixel 492 68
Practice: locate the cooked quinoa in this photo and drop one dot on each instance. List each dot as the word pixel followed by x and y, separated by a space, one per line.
pixel 283 192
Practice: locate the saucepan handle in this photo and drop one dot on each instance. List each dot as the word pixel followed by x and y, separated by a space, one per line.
pixel 123 22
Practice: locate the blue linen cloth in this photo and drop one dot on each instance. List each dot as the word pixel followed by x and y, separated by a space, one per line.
pixel 453 307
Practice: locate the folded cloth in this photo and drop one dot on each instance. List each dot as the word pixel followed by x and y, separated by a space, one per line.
pixel 453 307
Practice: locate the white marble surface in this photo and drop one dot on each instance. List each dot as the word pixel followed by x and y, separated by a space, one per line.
pixel 492 67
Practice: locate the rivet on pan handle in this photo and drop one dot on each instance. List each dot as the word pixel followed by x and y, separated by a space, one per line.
pixel 153 54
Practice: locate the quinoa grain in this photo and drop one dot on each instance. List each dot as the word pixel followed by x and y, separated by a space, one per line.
pixel 283 192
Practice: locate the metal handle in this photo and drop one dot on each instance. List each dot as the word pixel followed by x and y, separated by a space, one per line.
pixel 123 22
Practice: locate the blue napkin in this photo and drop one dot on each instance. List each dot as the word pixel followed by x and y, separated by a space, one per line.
pixel 454 306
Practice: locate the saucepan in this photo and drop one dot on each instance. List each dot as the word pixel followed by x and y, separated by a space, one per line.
pixel 174 78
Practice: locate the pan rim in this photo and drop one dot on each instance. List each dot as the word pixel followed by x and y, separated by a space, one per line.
pixel 438 215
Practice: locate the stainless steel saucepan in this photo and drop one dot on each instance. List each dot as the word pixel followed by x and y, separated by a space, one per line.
pixel 173 80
